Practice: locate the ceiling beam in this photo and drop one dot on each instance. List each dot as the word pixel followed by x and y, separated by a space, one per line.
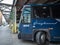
pixel 52 1
pixel 5 4
pixel 6 11
pixel 5 14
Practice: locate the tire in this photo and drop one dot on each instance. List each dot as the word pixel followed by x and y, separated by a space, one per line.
pixel 41 38
pixel 19 36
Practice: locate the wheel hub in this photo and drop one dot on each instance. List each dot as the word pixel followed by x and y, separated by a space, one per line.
pixel 43 38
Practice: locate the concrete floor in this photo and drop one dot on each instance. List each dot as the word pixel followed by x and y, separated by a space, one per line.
pixel 7 38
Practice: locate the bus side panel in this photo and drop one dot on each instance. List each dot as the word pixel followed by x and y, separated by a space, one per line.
pixel 26 31
pixel 55 33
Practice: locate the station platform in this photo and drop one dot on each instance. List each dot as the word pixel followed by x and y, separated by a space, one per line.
pixel 8 38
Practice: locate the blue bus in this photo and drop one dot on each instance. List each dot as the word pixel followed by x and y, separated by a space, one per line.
pixel 40 23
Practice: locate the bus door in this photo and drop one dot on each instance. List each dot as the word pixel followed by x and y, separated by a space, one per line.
pixel 26 25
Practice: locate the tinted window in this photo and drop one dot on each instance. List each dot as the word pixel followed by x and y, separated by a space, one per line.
pixel 41 11
pixel 56 11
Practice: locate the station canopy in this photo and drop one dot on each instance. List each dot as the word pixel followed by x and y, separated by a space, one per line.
pixel 6 6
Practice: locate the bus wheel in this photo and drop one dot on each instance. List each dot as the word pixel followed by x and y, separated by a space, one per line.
pixel 41 38
pixel 19 36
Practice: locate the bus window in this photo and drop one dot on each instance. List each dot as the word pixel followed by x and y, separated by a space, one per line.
pixel 26 15
pixel 41 12
pixel 56 11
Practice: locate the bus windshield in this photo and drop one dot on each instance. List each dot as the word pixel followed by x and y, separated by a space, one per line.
pixel 26 15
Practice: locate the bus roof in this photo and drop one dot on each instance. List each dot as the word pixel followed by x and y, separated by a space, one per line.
pixel 49 4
